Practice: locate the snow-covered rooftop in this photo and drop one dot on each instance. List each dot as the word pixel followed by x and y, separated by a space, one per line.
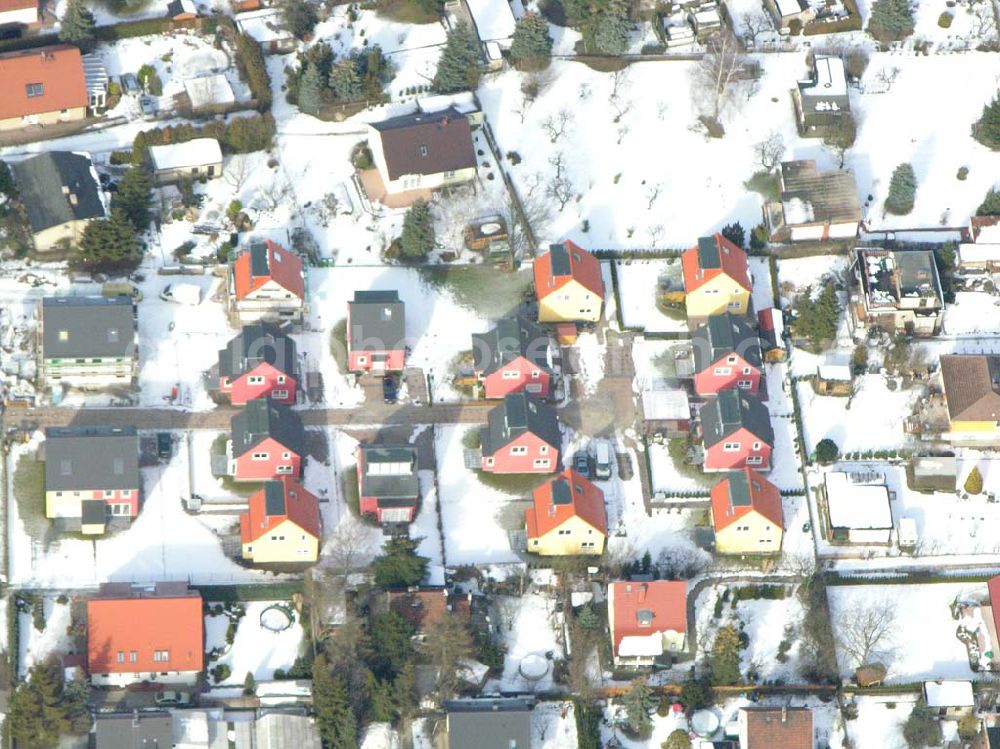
pixel 197 152
pixel 209 90
pixel 659 401
pixel 835 367
pixel 462 102
pixel 262 25
pixel 979 253
pixel 635 645
pixel 798 211
pixel 952 693
pixel 493 18
pixel 856 506
pixel 788 7
pixel 830 77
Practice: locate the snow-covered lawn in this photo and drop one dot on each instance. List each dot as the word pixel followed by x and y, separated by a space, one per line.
pixel 35 646
pixel 667 477
pixel 255 649
pixel 785 472
pixel 638 286
pixel 425 526
pixel 971 313
pixel 533 634
pixel 761 294
pixel 809 271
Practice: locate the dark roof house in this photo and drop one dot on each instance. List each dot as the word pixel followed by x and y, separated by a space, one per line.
pixel 721 335
pixel 972 387
pixel 88 327
pixel 502 723
pixel 256 344
pixel 512 337
pixel 731 411
pixel 57 187
pixel 261 419
pixel 516 415
pixel 426 144
pixel 389 472
pixel 91 458
pixel 138 730
pixel 377 320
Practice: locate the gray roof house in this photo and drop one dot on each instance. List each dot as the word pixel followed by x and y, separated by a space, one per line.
pixel 722 335
pixel 516 415
pixel 88 340
pixel 61 195
pixel 91 458
pixel 813 205
pixel 822 100
pixel 138 730
pixel 731 411
pixel 503 723
pixel 278 730
pixel 513 337
pixel 376 322
pixel 261 419
pixel 388 485
pixel 255 345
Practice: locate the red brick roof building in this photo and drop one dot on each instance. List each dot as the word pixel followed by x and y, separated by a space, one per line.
pixel 647 620
pixel 267 283
pixel 42 87
pixel 776 728
pixel 567 516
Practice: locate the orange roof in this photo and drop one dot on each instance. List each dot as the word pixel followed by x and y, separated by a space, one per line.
pixel 722 256
pixel 778 727
pixel 572 263
pixel 278 501
pixel 124 633
pixel 574 497
pixel 665 600
pixel 9 5
pixel 742 492
pixel 425 608
pixel 58 69
pixel 273 262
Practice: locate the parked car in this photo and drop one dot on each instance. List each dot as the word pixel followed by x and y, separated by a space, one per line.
pixel 581 464
pixel 602 459
pixel 147 106
pixel 130 84
pixel 164 445
pixel 172 697
pixel 390 389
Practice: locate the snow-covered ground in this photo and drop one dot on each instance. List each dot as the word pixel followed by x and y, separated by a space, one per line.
pixel 534 634
pixel 35 646
pixel 255 649
pixel 638 285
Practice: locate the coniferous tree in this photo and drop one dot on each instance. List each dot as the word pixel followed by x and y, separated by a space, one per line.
pixel 335 719
pixel 891 20
pixel 40 712
pixel 391 644
pixel 987 130
pixel 418 231
pixel 611 32
pixel 458 66
pixel 677 740
pixel 381 708
pixel 77 25
pixel 735 233
pixel 311 90
pixel 638 701
pixel 725 656
pixel 445 646
pixel 109 245
pixel 817 319
pixel 974 482
pixel 249 684
pixel 531 42
pixel 299 17
pixel 990 205
pixel 404 690
pixel 902 190
pixel 134 197
pixel 345 81
pixel 399 565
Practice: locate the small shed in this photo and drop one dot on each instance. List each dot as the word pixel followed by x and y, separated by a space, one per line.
pixel 935 473
pixel 771 330
pixel 950 698
pixel 193 159
pixel 870 675
pixel 834 375
pixel 857 513
pixel 566 333
pixel 266 28
pixel 908 533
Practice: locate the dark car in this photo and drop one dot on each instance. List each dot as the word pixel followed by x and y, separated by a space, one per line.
pixel 581 464
pixel 390 389
pixel 164 445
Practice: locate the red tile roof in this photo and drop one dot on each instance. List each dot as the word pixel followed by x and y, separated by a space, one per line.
pixel 58 69
pixel 583 267
pixel 9 5
pixel 425 608
pixel 994 588
pixel 284 267
pixel 586 502
pixel 665 599
pixel 779 728
pixel 299 506
pixel 119 627
pixel 732 261
pixel 764 497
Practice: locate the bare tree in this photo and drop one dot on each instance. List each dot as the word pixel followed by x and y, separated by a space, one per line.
pixel 349 548
pixel 840 137
pixel 560 189
pixel 532 182
pixel 274 193
pixel 887 76
pixel 866 630
pixel 540 723
pixel 555 126
pixel 655 234
pixel 619 83
pixel 755 23
pixel 533 211
pixel 718 74
pixel 621 105
pixel 661 109
pixel 770 150
pixel 982 19
pixel 558 162
pixel 652 193
pixel 507 608
pixel 447 644
pixel 583 91
pixel 623 130
pixel 237 171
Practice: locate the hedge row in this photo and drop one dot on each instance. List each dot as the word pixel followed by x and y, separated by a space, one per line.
pixel 250 61
pixel 265 592
pixel 911 578
pixel 239 135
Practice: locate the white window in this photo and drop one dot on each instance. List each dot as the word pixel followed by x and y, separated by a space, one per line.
pixel 535 374
pixel 745 384
pixel 747 370
pixel 731 447
pixel 255 380
pixel 108 493
pixel 723 371
pixel 286 456
pixel 280 379
pixel 121 656
pixel 735 305
pixel 542 463
pixel 511 374
pixel 161 656
pixel 519 450
pixel 754 460
pixel 362 360
pixel 284 469
pixel 259 456
pixel 279 393
pixel 543 450
pixel 127 493
pixel 756 446
pixel 489 461
pixel 731 359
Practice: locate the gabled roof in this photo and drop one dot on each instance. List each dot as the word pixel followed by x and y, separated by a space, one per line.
pixel 88 327
pixel 268 261
pixel 284 730
pixel 513 337
pixel 971 387
pixel 261 419
pixel 742 492
pixel 568 495
pixel 503 723
pixel 565 262
pixel 711 257
pixel 9 5
pixel 59 70
pixel 778 727
pixel 516 415
pixel 377 320
pixel 256 344
pixel 425 608
pixel 97 458
pixel 731 411
pixel 809 196
pixel 190 153
pixel 642 608
pixel 723 335
pixel 426 143
pixel 279 500
pixel 57 187
pixel 389 472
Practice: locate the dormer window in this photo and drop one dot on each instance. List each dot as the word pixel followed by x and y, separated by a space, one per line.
pixel 423 150
pixel 644 617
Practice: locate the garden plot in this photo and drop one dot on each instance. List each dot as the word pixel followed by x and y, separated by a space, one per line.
pixel 972 313
pixel 255 648
pixel 796 273
pixel 669 477
pixel 785 460
pixel 639 283
pixel 967 21
pixel 426 526
pixel 37 646
pixel 591 358
pixel 554 726
pixel 880 720
pixel 762 296
pixel 531 634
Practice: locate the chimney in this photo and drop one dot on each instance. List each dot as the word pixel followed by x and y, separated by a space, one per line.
pixel 784 714
pixel 73 199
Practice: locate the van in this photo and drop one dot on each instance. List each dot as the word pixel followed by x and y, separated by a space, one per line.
pixel 602 460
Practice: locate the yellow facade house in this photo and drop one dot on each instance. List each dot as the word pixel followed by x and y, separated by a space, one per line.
pixel 747 515
pixel 567 517
pixel 42 86
pixel 281 525
pixel 972 394
pixel 569 285
pixel 716 279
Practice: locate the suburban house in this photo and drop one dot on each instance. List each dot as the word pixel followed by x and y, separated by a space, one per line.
pixel 422 151
pixel 568 285
pixel 153 633
pixel 207 728
pixel 981 251
pixel 182 10
pixel 521 436
pixel 726 355
pixel 279 730
pixel 821 102
pixel 281 524
pixel 746 514
pixel 267 442
pixel 193 159
pixel 567 516
pixel 789 13
pixel 424 608
pixel 18 13
pixel 857 508
pixel 737 431
pixel 647 620
pixel 666 408
pixel 489 723
pixel 260 362
pixel 42 87
pixel 61 195
pixel 513 357
pixel 88 342
pixel 139 729
pixel 266 27
pixel 813 205
pixel 376 332
pixel 91 476
pixel 388 485
pixel 952 699
pixel 971 385
pixel 716 278
pixel 897 290
pixel 776 728
pixel 267 283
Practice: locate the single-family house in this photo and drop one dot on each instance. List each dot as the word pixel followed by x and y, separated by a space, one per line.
pixel 18 13
pixel 788 14
pixel 61 195
pixel 726 355
pixel 424 607
pixel 971 385
pixel 422 151
pixel 193 159
pixel 898 290
pixel 135 730
pixel 857 509
pixel 42 87
pixel 568 284
pixel 950 698
pixel 260 362
pixel 388 485
pixel 716 278
pixel 281 524
pixel 266 27
pixel 144 633
pixel 822 102
pixel 747 514
pixel 813 205
pixel 88 342
pixel 91 475
pixel 647 620
pixel 737 432
pixel 513 357
pixel 376 332
pixel 666 408
pixel 182 10
pixel 776 728
pixel 267 442
pixel 980 253
pixel 267 283
pixel 705 19
pixel 567 516
pixel 521 436
pixel 489 723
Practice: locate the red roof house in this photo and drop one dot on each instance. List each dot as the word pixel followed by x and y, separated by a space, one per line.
pixel 568 284
pixel 726 355
pixel 281 524
pixel 388 483
pixel 567 516
pixel 737 432
pixel 18 12
pixel 267 282
pixel 776 728
pixel 261 362
pixel 647 620
pixel 747 514
pixel 42 86
pixel 137 634
pixel 716 278
pixel 513 357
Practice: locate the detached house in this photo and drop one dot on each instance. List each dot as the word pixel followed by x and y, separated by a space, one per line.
pixel 716 278
pixel 42 87
pixel 647 620
pixel 737 432
pixel 726 355
pixel 513 357
pixel 522 436
pixel 194 159
pixel 822 102
pixel 18 13
pixel 568 284
pixel 91 476
pixel 971 385
pixel 261 362
pixel 266 442
pixel 88 342
pixel 376 332
pixel 138 633
pixel 267 283
pixel 567 516
pixel 388 485
pixel 747 514
pixel 813 206
pixel 500 723
pixel 897 290
pixel 281 525
pixel 776 728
